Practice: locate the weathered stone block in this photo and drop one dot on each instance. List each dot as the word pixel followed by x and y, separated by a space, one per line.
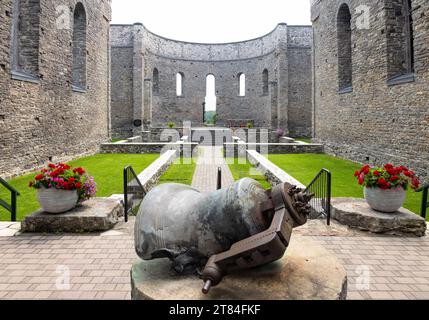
pixel 356 213
pixel 95 215
pixel 307 272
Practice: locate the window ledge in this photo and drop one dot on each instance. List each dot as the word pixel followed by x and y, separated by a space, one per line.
pixel 345 90
pixel 78 89
pixel 402 79
pixel 23 76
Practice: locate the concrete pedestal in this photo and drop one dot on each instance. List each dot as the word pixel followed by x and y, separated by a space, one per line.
pixel 307 272
pixel 356 213
pixel 95 215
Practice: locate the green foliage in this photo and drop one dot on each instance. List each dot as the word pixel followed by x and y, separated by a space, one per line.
pixel 210 117
pixel 107 170
pixel 250 125
pixel 171 125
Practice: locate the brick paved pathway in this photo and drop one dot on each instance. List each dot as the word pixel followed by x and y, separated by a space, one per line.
pixel 205 176
pixel 99 265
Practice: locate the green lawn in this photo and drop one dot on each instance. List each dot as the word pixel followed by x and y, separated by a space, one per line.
pixel 304 167
pixel 240 171
pixel 306 140
pixel 106 168
pixel 180 173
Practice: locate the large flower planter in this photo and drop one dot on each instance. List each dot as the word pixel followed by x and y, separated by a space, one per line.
pixel 57 201
pixel 387 201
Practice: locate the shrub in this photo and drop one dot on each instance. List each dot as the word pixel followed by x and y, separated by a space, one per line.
pixel 171 125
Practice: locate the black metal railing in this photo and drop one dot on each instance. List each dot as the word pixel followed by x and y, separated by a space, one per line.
pixel 219 178
pixel 321 202
pixel 13 197
pixel 425 203
pixel 134 192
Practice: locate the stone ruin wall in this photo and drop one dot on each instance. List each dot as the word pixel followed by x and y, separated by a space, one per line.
pixel 377 122
pixel 46 119
pixel 285 53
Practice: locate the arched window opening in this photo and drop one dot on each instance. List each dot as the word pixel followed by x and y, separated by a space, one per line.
pixel 400 38
pixel 242 84
pixel 79 47
pixel 211 100
pixel 155 81
pixel 265 82
pixel 25 38
pixel 179 84
pixel 344 35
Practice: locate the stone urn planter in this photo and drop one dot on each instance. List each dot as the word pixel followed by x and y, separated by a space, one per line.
pixel 387 201
pixel 57 201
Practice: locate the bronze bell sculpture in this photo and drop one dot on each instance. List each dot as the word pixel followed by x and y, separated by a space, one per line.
pixel 242 226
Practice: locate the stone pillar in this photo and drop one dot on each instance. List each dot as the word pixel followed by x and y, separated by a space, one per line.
pixel 283 88
pixel 274 104
pixel 147 110
pixel 138 79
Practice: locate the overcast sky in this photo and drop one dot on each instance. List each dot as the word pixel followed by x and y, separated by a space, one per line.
pixel 211 20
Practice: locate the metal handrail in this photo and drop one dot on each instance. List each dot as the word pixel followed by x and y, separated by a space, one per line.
pixel 321 188
pixel 425 203
pixel 13 196
pixel 130 175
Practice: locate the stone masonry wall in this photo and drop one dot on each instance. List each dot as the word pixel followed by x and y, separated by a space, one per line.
pixel 377 122
pixel 300 82
pixel 225 61
pixel 45 119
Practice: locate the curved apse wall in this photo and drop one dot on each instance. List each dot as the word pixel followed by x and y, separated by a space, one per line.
pixel 285 53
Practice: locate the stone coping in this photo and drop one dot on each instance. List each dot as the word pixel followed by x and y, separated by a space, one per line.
pixel 272 173
pixel 274 148
pixel 95 215
pixel 150 177
pixel 146 147
pixel 306 272
pixel 356 213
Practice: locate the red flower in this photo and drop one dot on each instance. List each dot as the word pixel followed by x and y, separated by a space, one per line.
pixel 365 170
pixel 382 181
pixel 377 173
pixel 39 177
pixel 80 171
pixel 72 180
pixel 394 178
pixel 54 174
pixel 357 173
pixel 385 186
pixel 52 166
pixel 415 183
pixel 408 174
pixel 78 185
pixel 391 171
pixel 389 166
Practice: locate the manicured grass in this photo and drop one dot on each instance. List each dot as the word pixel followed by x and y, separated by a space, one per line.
pixel 305 167
pixel 182 172
pixel 116 140
pixel 306 140
pixel 240 171
pixel 106 168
